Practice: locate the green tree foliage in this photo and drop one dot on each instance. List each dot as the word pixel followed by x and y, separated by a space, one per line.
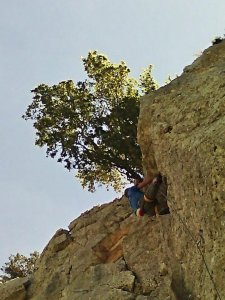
pixel 18 266
pixel 91 126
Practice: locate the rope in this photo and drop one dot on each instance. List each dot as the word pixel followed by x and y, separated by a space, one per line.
pixel 197 244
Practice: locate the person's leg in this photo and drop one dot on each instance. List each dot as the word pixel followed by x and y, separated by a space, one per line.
pixel 151 191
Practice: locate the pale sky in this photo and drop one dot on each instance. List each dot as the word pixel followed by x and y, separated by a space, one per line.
pixel 42 41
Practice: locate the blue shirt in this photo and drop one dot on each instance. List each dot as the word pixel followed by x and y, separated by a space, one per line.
pixel 134 195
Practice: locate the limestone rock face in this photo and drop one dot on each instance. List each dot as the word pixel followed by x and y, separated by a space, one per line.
pixel 182 134
pixel 109 253
pixel 14 289
pixel 106 254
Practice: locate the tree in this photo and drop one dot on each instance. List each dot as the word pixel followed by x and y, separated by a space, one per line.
pixel 91 126
pixel 18 266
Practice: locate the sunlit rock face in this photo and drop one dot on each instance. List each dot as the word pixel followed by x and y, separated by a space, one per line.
pixel 109 253
pixel 182 134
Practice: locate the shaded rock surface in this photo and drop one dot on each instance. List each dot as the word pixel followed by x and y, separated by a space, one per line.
pixel 108 253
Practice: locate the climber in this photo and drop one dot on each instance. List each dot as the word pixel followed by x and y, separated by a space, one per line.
pixel 144 202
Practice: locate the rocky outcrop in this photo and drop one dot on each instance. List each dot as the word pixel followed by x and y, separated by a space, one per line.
pixel 15 289
pixel 108 253
pixel 100 257
pixel 182 134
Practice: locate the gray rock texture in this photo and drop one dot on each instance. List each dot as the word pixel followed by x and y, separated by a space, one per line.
pixel 108 253
pixel 182 134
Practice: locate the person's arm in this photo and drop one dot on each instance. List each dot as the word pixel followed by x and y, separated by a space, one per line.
pixel 148 179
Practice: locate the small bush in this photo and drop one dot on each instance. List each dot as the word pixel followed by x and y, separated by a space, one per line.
pixel 18 266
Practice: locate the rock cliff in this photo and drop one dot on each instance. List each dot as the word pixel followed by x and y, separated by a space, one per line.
pixel 182 134
pixel 108 253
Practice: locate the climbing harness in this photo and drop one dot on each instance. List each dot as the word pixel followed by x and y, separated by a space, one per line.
pixel 197 243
